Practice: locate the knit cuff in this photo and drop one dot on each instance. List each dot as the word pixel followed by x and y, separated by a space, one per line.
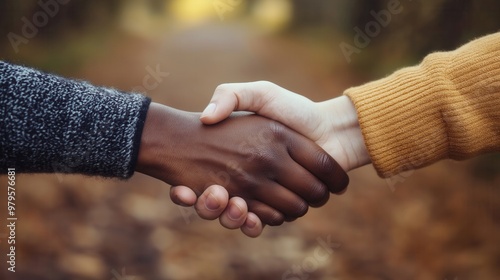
pixel 447 107
pixel 141 120
pixel 400 116
pixel 52 124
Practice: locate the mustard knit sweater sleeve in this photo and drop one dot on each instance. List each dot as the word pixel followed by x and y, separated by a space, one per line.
pixel 446 107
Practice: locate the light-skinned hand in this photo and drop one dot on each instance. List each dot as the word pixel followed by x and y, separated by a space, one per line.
pixel 332 124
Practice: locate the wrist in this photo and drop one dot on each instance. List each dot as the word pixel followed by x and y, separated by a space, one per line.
pixel 146 158
pixel 156 149
pixel 344 126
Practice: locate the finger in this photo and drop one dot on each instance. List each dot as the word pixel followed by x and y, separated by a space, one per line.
pixel 265 99
pixel 300 181
pixel 253 226
pixel 212 202
pixel 318 162
pixel 266 213
pixel 182 195
pixel 235 214
pixel 285 201
pixel 289 219
pixel 237 97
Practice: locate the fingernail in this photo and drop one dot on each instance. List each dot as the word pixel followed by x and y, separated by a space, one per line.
pixel 212 203
pixel 235 212
pixel 209 110
pixel 251 223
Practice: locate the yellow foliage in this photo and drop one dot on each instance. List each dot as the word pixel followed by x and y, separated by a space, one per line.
pixel 272 15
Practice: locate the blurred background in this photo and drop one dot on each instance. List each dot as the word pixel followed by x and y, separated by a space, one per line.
pixel 440 222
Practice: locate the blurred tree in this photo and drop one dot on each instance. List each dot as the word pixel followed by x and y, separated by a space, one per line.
pixel 315 12
pixel 53 36
pixel 77 14
pixel 421 28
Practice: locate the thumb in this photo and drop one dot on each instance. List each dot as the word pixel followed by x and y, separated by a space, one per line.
pixel 236 97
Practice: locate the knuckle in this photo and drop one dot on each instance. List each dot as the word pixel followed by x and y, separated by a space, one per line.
pixel 265 159
pixel 222 88
pixel 301 209
pixel 276 219
pixel 277 131
pixel 318 194
pixel 267 84
pixel 324 162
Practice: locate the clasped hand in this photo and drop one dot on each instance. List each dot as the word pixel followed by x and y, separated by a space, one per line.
pixel 250 171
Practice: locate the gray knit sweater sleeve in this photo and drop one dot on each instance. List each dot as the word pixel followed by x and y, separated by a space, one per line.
pixel 52 124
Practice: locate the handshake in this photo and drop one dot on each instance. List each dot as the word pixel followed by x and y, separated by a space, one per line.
pixel 264 169
pixel 252 170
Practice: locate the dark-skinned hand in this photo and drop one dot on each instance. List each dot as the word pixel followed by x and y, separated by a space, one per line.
pixel 278 172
